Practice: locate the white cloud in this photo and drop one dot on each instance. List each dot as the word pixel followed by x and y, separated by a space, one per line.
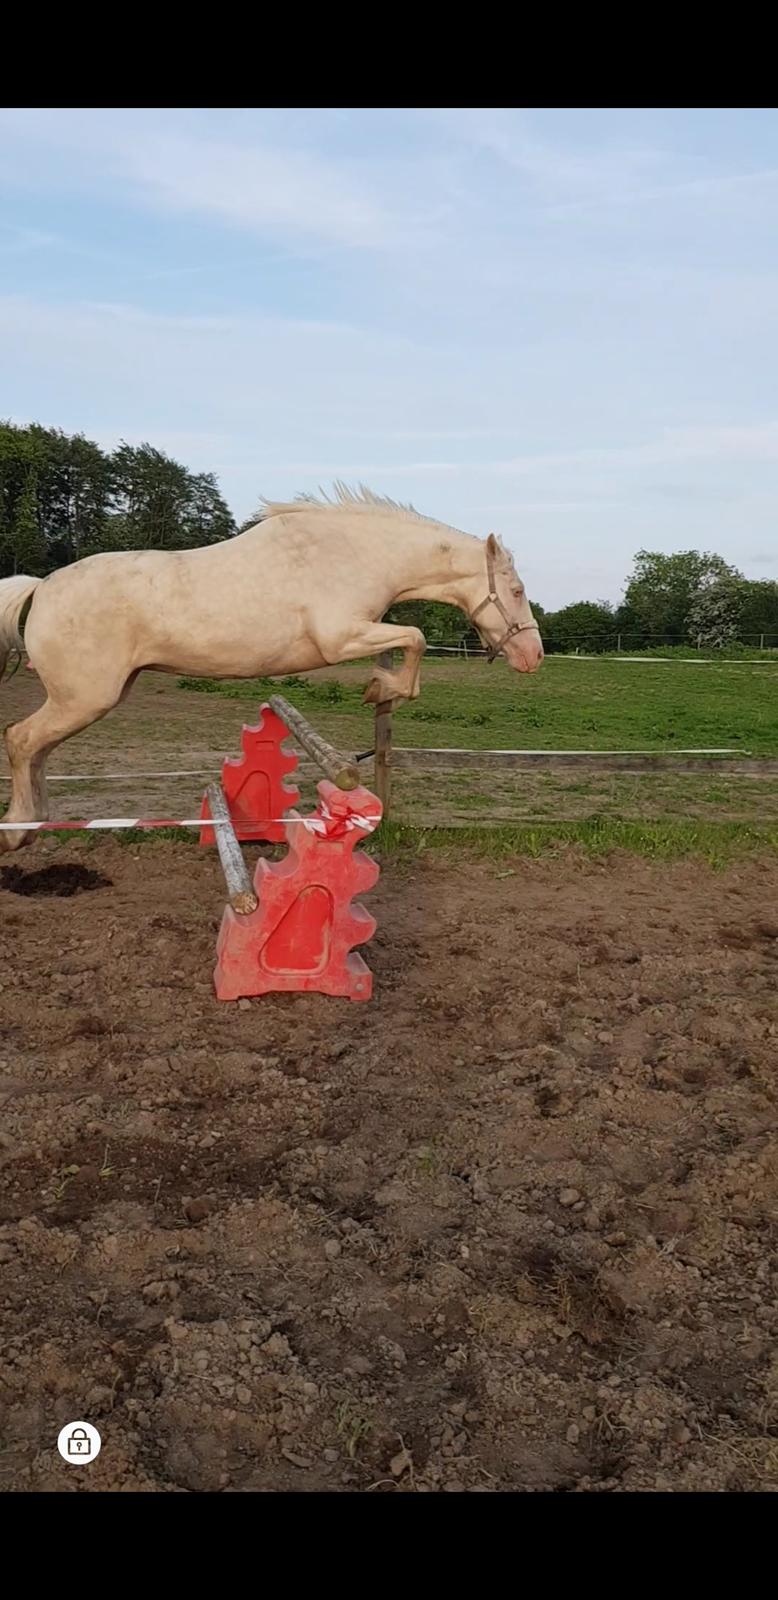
pixel 126 371
pixel 757 442
pixel 572 179
pixel 753 442
pixel 492 324
pixel 172 162
pixel 266 190
pixel 717 186
pixel 242 396
pixel 553 168
pixel 17 241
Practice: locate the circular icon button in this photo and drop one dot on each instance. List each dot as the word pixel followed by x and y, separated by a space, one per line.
pixel 78 1443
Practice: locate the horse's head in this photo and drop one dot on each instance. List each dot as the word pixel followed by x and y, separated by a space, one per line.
pixel 503 616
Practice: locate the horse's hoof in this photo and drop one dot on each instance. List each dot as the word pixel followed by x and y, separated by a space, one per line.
pixel 14 841
pixel 379 691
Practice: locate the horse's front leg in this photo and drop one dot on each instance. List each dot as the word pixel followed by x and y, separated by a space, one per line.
pixel 370 639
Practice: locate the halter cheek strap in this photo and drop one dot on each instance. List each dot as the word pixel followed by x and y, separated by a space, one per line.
pixel 493 599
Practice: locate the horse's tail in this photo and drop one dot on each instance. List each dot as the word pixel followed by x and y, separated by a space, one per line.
pixel 14 595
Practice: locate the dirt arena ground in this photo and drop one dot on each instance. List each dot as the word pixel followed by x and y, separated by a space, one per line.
pixel 509 1226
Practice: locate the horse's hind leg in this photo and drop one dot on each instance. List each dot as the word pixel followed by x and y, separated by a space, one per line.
pixel 29 744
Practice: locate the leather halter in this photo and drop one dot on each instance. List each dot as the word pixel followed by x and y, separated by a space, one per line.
pixel 493 599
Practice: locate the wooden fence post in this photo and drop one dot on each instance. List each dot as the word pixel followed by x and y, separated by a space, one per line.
pixel 382 766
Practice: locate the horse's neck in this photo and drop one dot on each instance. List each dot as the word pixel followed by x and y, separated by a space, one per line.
pixel 436 564
pixel 396 557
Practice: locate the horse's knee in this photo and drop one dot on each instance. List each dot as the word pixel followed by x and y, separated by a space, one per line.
pixel 21 743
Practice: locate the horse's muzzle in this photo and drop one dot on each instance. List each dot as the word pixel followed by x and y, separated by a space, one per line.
pixel 524 652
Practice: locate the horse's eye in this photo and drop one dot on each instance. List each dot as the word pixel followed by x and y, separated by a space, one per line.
pixel 519 590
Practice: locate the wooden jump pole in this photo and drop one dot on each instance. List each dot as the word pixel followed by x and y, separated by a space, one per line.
pixel 239 891
pixel 382 766
pixel 341 770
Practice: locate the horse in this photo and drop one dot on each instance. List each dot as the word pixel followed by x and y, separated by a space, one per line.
pixel 306 586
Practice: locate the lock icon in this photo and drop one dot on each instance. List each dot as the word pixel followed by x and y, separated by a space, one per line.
pixel 79 1442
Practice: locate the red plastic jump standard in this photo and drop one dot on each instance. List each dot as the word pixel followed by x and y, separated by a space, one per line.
pixel 254 783
pixel 302 935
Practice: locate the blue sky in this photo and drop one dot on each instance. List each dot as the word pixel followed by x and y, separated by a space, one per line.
pixel 560 324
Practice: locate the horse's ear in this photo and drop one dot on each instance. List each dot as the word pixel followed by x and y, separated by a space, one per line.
pixel 492 545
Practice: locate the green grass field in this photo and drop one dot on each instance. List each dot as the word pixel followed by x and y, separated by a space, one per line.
pixel 591 703
pixel 597 704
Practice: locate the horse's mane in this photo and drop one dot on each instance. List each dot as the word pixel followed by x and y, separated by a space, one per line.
pixel 362 500
pixel 359 499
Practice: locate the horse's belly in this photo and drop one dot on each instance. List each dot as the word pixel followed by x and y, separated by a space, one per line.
pixel 231 660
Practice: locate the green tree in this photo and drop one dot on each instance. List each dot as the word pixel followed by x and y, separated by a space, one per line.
pixel 62 497
pixel 758 611
pixel 150 496
pixel 159 505
pixel 714 614
pixel 440 623
pixel 11 478
pixel 74 493
pixel 28 545
pixel 588 625
pixel 208 517
pixel 661 591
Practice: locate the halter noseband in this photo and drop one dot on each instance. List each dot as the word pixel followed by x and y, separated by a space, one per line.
pixel 493 599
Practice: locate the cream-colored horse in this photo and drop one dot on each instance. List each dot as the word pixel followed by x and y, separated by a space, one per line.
pixel 306 587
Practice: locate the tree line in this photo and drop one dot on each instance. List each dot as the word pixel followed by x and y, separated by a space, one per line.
pixel 63 497
pixel 692 597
